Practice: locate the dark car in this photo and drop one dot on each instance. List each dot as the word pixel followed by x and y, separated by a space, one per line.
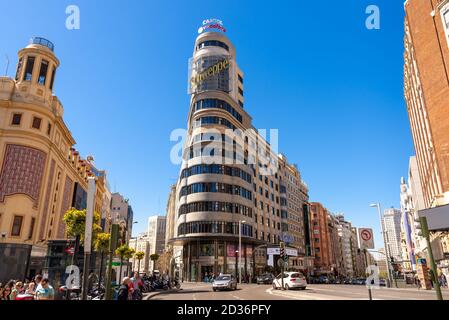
pixel 266 278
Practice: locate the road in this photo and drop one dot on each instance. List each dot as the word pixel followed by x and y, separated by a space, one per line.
pixel 202 291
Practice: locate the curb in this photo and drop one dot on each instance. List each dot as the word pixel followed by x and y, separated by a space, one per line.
pixel 153 294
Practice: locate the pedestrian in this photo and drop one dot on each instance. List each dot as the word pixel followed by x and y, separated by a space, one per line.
pixel 17 289
pixel 5 293
pixel 418 282
pixel 136 285
pixel 46 291
pixel 123 292
pixel 37 282
pixel 91 280
pixel 31 288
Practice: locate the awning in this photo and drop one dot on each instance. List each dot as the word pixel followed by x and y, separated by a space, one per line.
pixel 437 218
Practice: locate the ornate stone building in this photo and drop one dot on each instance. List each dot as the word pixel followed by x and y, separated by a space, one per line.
pixel 41 174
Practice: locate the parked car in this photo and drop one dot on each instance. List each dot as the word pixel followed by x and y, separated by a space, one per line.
pixel 224 282
pixel 361 281
pixel 266 278
pixel 382 282
pixel 347 281
pixel 292 280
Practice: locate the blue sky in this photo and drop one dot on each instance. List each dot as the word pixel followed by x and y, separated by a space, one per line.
pixel 333 88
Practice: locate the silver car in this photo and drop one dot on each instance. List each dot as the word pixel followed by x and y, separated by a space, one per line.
pixel 224 282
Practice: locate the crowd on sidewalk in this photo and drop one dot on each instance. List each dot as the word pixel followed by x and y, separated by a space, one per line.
pixel 38 288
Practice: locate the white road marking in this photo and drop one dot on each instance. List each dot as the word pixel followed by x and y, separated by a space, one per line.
pixel 235 297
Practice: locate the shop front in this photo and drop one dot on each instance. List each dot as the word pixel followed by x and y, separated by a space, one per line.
pixel 205 259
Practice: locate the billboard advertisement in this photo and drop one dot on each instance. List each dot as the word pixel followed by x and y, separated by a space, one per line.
pixel 212 72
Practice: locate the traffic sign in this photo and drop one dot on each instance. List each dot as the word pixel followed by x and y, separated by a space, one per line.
pixel 70 250
pixel 366 239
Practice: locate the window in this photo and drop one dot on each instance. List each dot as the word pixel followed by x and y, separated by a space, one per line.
pixel 29 69
pixel 52 78
pixel 19 69
pixel 43 73
pixel 49 129
pixel 16 118
pixel 445 20
pixel 240 79
pixel 17 226
pixel 241 104
pixel 30 233
pixel 241 91
pixel 37 123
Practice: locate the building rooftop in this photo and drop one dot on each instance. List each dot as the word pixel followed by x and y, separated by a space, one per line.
pixel 43 42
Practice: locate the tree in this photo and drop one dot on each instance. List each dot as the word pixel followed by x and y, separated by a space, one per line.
pixel 124 252
pixel 101 245
pixel 154 257
pixel 139 256
pixel 75 222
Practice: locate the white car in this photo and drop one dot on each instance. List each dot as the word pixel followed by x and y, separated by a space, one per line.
pixel 224 282
pixel 292 280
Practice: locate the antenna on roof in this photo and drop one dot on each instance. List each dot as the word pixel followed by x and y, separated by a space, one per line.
pixel 7 65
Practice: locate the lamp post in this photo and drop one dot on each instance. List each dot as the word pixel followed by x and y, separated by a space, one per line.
pixel 240 250
pixel 387 251
pixel 135 250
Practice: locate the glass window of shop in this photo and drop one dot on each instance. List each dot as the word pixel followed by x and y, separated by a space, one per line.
pixel 207 249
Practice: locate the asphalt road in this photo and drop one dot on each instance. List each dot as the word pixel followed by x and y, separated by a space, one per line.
pixel 202 291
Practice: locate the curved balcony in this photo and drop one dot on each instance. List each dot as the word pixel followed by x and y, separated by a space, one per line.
pixel 43 42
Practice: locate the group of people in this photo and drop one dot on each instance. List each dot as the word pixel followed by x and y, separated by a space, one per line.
pixel 130 289
pixel 39 288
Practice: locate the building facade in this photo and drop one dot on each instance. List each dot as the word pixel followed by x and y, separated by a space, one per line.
pixel 41 174
pixel 321 238
pixel 156 236
pixel 391 221
pixel 345 232
pixel 227 189
pixel 426 88
pixel 141 243
pixel 122 214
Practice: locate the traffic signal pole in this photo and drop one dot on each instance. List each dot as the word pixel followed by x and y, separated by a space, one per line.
pixel 425 233
pixel 370 295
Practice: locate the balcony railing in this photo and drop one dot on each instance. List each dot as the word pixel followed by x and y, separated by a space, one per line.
pixel 43 42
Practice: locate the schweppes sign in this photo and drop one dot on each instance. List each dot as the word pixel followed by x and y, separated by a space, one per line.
pixel 213 70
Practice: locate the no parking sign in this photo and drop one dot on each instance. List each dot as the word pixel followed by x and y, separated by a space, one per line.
pixel 366 239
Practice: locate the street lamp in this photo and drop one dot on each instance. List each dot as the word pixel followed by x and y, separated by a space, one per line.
pixel 387 253
pixel 240 250
pixel 135 250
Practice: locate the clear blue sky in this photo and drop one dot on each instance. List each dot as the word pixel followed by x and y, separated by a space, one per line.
pixel 333 89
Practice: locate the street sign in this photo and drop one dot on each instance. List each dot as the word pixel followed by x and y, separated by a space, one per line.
pixel 366 239
pixel 70 250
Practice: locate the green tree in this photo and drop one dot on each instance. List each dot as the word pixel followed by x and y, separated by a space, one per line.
pixel 101 245
pixel 154 257
pixel 139 256
pixel 125 253
pixel 75 222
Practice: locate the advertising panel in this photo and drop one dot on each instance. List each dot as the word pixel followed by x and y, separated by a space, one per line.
pixel 212 72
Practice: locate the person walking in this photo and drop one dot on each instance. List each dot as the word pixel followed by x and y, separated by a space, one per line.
pixel 91 280
pixel 37 282
pixel 17 289
pixel 123 292
pixel 46 291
